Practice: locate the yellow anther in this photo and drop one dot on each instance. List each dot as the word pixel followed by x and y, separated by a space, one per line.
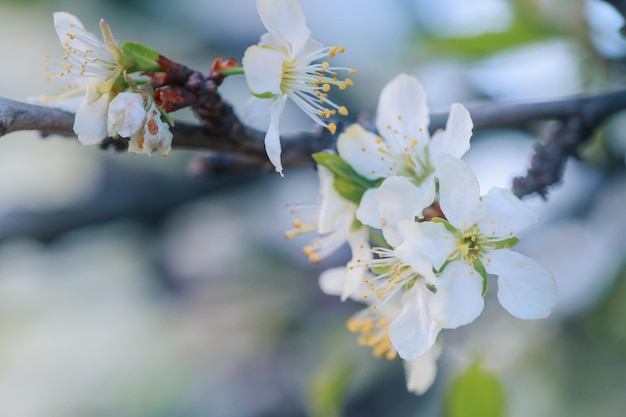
pixel 342 86
pixel 326 88
pixel 333 51
pixel 332 128
pixel 348 81
pixel 326 113
pixel 314 258
pixel 343 111
pixel 341 50
pixel 352 71
pixel 325 66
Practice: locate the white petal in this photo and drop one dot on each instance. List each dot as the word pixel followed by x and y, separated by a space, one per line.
pixel 285 18
pixel 90 122
pixel 455 140
pixel 126 114
pixel 421 372
pixel 335 211
pixel 359 148
pixel 157 135
pixel 359 244
pixel 459 192
pixel 397 199
pixel 263 68
pixel 64 24
pixel 525 288
pixel 418 263
pixel 458 300
pixel 413 332
pixel 505 214
pixel 333 280
pixel 402 106
pixel 272 137
pixel 430 240
pixel 368 213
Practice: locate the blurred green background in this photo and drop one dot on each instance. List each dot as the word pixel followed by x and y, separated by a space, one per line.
pixel 129 288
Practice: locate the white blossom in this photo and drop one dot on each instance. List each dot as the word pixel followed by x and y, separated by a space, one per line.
pixel 404 154
pixel 153 135
pixel 474 240
pixel 88 69
pixel 281 66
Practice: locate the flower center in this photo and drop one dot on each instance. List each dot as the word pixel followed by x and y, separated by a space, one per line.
pixel 472 245
pixel 406 155
pixel 392 274
pixel 308 85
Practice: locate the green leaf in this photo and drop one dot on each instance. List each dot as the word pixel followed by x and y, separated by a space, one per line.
pixel 145 58
pixel 348 189
pixel 528 25
pixel 475 393
pixel 348 183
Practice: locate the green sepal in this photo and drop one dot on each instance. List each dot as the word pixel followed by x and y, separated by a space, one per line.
pixel 265 95
pixel 480 268
pixel 348 183
pixel 455 232
pixel 504 244
pixel 143 58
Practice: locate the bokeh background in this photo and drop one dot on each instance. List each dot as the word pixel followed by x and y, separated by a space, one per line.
pixel 130 287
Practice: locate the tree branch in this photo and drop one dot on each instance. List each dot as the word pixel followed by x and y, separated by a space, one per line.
pixel 221 132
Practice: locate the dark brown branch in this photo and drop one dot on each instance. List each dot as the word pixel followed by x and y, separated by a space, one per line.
pixel 222 132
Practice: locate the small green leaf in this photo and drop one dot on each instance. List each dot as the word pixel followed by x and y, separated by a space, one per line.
pixel 145 58
pixel 348 183
pixel 475 393
pixel 348 189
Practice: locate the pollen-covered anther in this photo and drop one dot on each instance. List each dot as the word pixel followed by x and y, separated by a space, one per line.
pixel 343 111
pixel 332 128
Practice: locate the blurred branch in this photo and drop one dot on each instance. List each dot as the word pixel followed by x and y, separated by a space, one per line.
pixel 223 134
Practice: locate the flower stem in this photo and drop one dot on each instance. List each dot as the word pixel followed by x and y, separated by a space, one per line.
pixel 232 71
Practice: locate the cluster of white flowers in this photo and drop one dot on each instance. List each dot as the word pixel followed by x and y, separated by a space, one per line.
pixel 436 238
pixel 95 86
pixel 424 241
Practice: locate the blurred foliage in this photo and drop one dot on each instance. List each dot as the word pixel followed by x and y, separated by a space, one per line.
pixel 328 386
pixel 528 26
pixel 475 393
pixel 607 320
